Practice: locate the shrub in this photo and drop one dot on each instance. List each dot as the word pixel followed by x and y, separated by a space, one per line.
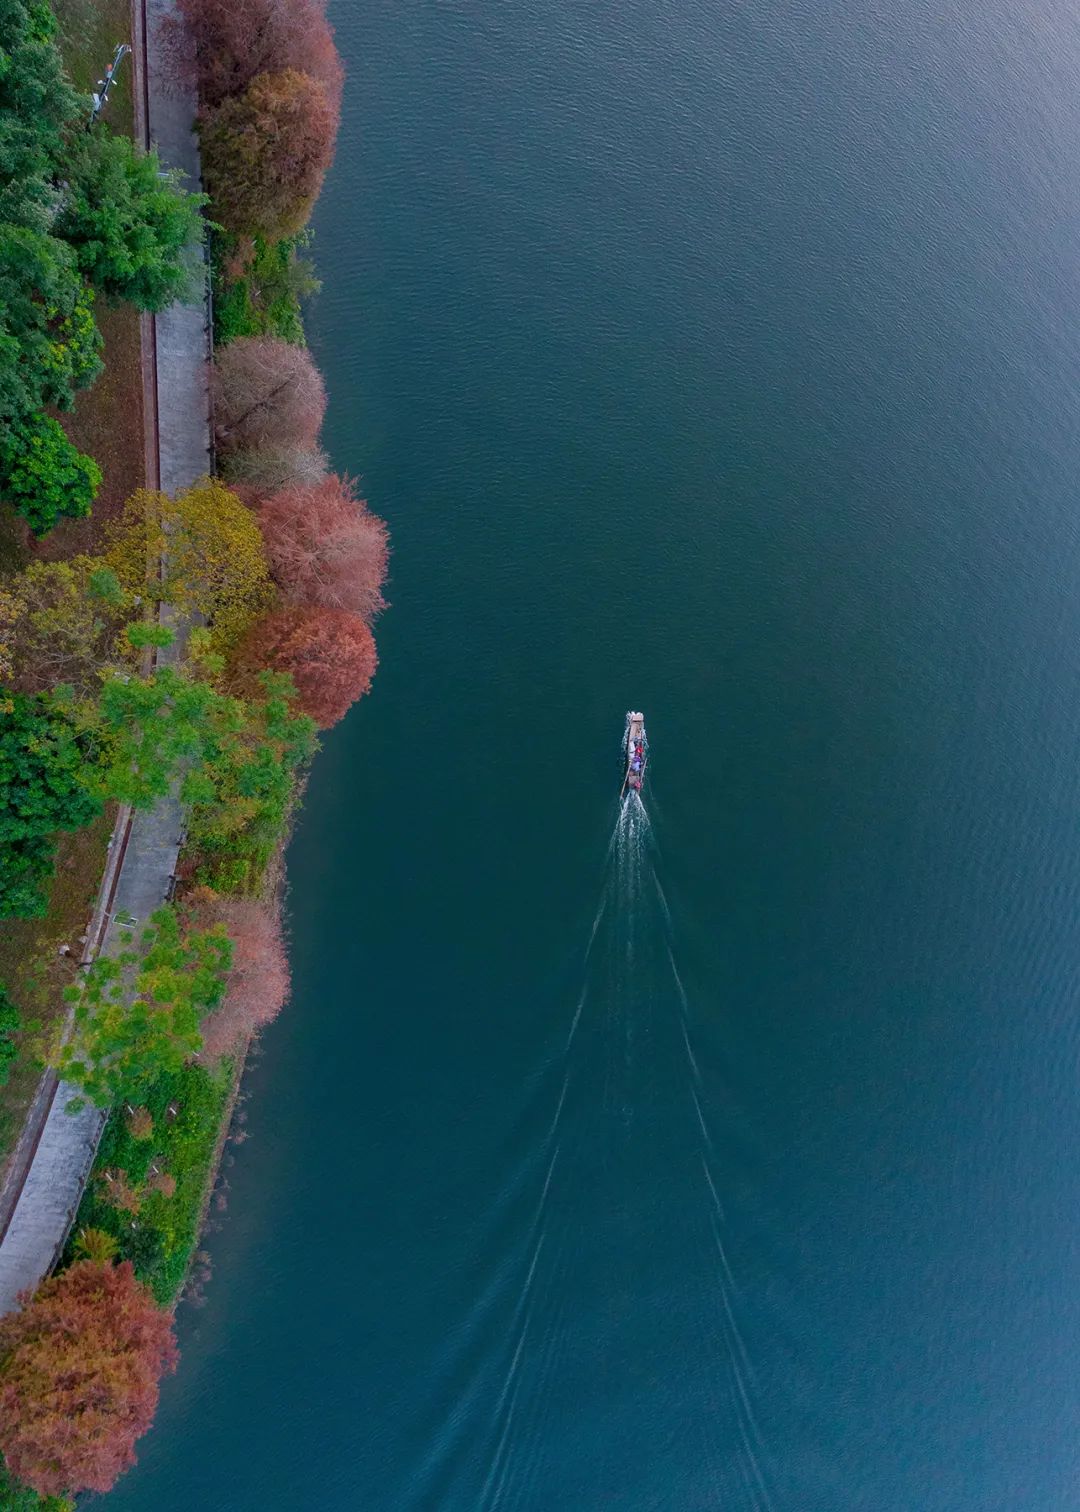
pixel 328 653
pixel 135 231
pixel 326 547
pixel 266 393
pixel 43 476
pixel 79 1371
pixel 266 152
pixel 41 791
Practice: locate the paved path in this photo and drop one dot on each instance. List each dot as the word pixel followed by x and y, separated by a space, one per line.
pixel 63 1144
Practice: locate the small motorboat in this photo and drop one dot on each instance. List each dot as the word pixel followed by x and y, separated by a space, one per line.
pixel 637 753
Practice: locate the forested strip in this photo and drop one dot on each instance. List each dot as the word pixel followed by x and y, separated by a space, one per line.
pixel 281 573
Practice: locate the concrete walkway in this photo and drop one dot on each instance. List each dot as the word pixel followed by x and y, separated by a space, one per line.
pixel 54 1177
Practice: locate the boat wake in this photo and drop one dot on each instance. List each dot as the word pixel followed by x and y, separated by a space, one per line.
pixel 627 1305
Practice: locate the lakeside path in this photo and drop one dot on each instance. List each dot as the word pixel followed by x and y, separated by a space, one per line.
pixel 56 1149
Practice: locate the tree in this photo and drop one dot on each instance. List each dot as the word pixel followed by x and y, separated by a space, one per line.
pixel 266 469
pixel 61 622
pixel 244 781
pixel 328 653
pixel 49 345
pixel 202 552
pixel 135 231
pixel 37 108
pixel 145 729
pixel 265 153
pixel 226 43
pixel 42 790
pixel 266 393
pixel 258 980
pixel 325 546
pixel 43 475
pixel 79 1372
pixel 137 1015
pixel 97 1245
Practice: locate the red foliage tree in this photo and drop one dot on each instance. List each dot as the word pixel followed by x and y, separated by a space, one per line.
pixel 328 653
pixel 325 546
pixel 79 1378
pixel 266 391
pixel 265 153
pixel 258 982
pixel 224 44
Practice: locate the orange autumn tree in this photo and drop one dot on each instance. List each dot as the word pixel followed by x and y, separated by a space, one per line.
pixel 224 44
pixel 257 983
pixel 79 1372
pixel 325 546
pixel 328 653
pixel 265 153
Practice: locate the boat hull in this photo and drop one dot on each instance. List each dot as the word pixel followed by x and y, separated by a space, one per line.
pixel 636 746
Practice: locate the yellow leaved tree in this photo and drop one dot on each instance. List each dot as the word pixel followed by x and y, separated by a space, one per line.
pixel 202 552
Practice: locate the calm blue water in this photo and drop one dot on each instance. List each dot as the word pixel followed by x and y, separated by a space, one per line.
pixel 721 360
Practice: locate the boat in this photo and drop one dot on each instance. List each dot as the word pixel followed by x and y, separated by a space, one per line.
pixel 637 753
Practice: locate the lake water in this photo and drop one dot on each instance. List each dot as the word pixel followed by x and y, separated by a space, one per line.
pixel 720 360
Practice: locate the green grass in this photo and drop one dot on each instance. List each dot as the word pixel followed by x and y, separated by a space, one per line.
pixel 89 33
pixel 160 1239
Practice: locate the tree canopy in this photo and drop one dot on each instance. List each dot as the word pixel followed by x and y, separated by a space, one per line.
pixel 258 980
pixel 328 653
pixel 266 393
pixel 135 231
pixel 226 43
pixel 79 1372
pixel 61 622
pixel 265 153
pixel 325 546
pixel 42 790
pixel 138 1014
pixel 214 565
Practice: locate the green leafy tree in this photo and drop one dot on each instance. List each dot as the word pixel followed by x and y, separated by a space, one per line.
pixel 49 346
pixel 135 231
pixel 42 790
pixel 138 1014
pixel 43 475
pixel 37 108
pixel 148 729
pixel 245 781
